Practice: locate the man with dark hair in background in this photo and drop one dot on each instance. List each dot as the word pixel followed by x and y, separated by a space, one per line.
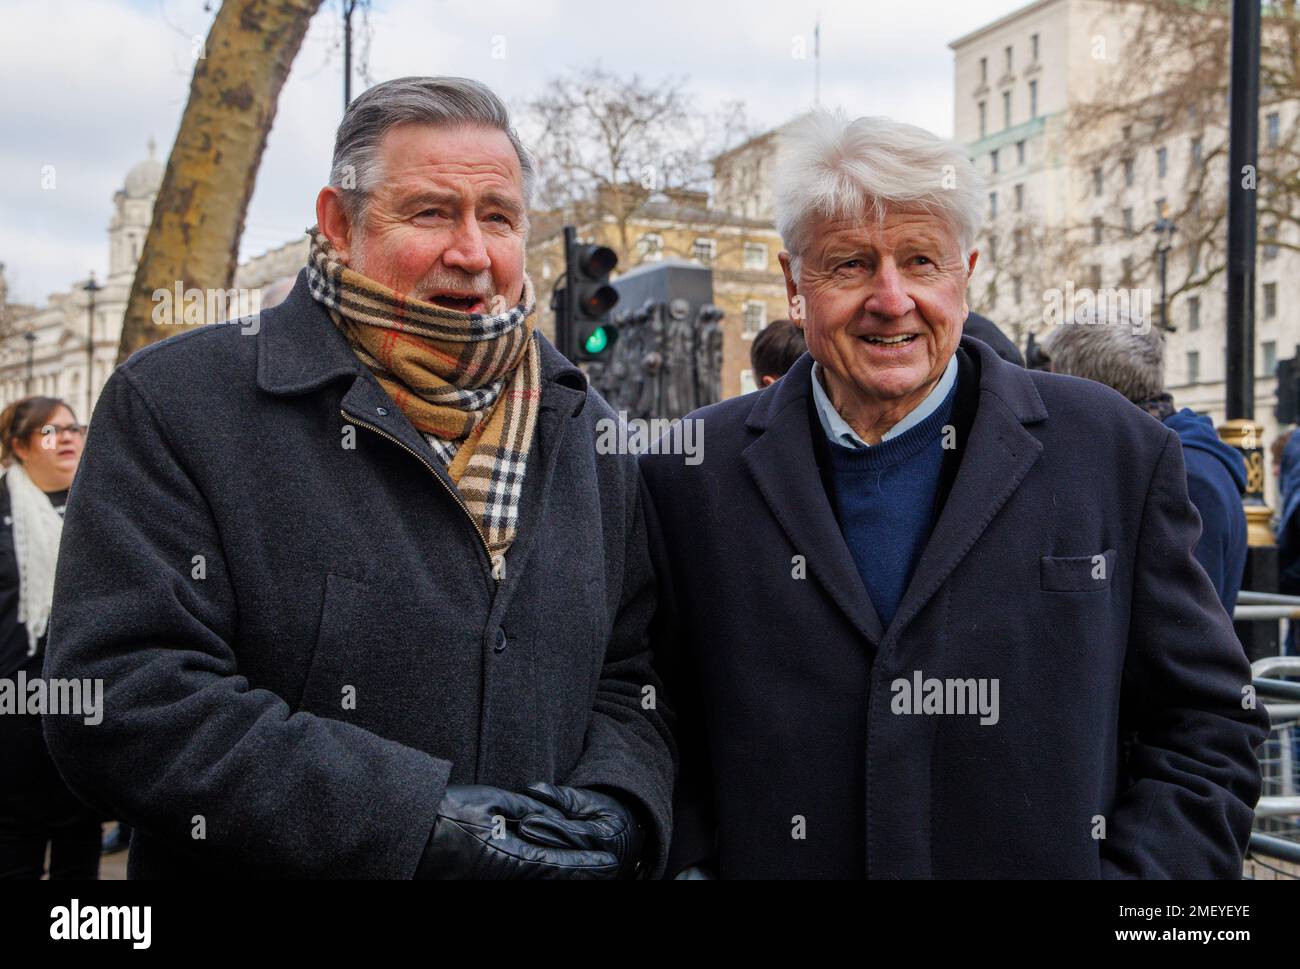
pixel 774 351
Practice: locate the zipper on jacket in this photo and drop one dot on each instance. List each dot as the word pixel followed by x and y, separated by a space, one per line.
pixel 496 570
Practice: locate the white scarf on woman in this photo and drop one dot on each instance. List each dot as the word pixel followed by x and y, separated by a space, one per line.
pixel 37 530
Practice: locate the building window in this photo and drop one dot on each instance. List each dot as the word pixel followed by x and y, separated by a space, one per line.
pixel 1020 198
pixel 1161 205
pixel 984 70
pixel 1197 151
pixel 1033 99
pixel 1016 290
pixel 1193 313
pixel 993 248
pixel 1128 223
pixel 1270 243
pixel 1127 270
pixel 1270 300
pixel 1018 242
pixel 1194 260
pixel 1007 52
pixel 983 118
pixel 1020 152
pixel 1162 162
pixel 1033 48
pixel 1098 227
pixel 993 205
pixel 1128 172
pixel 1098 180
pixel 650 246
pixel 1269 353
pixel 755 256
pixel 704 250
pixel 1272 129
pixel 1094 277
pixel 993 160
pixel 1193 367
pixel 1006 109
pixel 755 318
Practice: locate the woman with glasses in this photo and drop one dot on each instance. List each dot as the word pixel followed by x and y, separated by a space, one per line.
pixel 40 446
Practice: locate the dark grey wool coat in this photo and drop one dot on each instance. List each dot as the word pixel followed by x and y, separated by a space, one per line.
pixel 300 639
pixel 1060 567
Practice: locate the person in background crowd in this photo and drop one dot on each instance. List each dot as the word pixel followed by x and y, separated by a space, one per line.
pixel 982 328
pixel 1118 352
pixel 774 351
pixel 40 446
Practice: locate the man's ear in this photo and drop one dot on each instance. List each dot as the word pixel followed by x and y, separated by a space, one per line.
pixel 970 263
pixel 792 297
pixel 332 217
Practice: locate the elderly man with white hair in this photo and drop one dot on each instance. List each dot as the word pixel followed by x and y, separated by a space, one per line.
pixel 927 614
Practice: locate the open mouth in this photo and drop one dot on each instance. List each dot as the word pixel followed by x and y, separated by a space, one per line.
pixel 903 339
pixel 454 301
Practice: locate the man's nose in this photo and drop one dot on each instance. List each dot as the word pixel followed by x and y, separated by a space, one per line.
pixel 888 294
pixel 467 251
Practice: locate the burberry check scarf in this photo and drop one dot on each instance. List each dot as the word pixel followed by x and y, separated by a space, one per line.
pixel 470 383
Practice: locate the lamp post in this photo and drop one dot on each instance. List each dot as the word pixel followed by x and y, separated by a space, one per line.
pixel 348 7
pixel 1240 429
pixel 1164 242
pixel 30 337
pixel 91 289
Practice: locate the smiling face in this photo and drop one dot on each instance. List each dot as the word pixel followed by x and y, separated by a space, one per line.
pixel 446 222
pixel 883 307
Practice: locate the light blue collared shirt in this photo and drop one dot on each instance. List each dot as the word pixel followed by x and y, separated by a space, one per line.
pixel 837 428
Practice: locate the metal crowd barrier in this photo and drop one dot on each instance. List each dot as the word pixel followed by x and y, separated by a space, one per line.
pixel 1274 850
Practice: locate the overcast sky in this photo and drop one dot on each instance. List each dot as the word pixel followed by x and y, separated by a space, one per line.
pixel 87 82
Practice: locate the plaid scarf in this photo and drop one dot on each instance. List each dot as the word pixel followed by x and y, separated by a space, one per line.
pixel 468 382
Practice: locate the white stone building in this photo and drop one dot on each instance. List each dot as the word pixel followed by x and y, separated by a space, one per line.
pixel 1018 83
pixel 47 350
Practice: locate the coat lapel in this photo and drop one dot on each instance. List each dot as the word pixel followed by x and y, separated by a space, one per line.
pixel 783 465
pixel 995 460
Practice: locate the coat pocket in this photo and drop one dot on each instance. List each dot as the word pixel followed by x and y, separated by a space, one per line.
pixel 1076 573
pixel 326 688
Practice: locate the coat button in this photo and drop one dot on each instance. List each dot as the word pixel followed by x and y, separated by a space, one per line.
pixel 500 647
pixel 381 411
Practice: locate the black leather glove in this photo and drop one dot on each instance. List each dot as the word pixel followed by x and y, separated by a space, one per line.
pixel 592 821
pixel 478 836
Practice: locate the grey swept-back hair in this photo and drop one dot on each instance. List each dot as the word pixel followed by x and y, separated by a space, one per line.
pixel 831 168
pixel 1112 349
pixel 441 101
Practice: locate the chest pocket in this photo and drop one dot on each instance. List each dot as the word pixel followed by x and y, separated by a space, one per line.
pixel 1077 573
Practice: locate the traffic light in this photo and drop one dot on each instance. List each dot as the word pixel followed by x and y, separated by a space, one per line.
pixel 588 298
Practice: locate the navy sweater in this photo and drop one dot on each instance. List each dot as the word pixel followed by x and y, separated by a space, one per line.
pixel 885 503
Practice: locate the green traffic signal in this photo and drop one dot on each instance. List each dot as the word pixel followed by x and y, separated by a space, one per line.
pixel 597 340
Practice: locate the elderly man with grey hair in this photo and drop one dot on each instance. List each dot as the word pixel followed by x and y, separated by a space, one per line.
pixel 1114 347
pixel 365 597
pixel 927 614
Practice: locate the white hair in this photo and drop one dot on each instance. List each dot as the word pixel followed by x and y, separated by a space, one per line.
pixel 831 168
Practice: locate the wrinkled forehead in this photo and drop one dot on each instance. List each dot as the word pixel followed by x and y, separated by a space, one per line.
pixel 887 228
pixel 462 155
